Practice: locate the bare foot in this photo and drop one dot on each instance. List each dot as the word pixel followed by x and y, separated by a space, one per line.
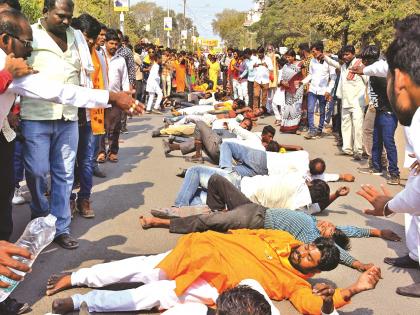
pixel 57 283
pixel 148 223
pixel 62 306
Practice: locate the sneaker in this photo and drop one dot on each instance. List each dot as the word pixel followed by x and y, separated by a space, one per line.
pixel 357 157
pixel 369 170
pixel 310 135
pixel 83 206
pixel 17 197
pixel 393 179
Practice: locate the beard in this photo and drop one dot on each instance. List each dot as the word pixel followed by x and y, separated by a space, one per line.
pixel 405 116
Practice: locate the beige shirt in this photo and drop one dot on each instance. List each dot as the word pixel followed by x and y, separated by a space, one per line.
pixel 56 65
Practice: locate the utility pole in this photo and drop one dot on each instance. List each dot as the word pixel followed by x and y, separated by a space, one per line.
pixel 185 25
pixel 168 34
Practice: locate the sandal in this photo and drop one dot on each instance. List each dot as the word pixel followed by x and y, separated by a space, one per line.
pixel 166 213
pixel 67 241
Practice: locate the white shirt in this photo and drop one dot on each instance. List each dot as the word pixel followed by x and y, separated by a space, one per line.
pixel 117 73
pixel 38 87
pixel 245 137
pixel 408 200
pixel 322 77
pixel 201 309
pixel 377 69
pixel 262 73
pixel 153 81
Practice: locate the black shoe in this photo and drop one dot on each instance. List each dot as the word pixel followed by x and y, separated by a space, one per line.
pixel 67 241
pixel 402 262
pixel 412 290
pixel 98 173
pixel 124 130
pixel 12 307
pixel 342 153
pixel 357 157
pixel 181 172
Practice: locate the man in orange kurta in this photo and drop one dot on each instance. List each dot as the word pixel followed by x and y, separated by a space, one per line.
pixel 202 265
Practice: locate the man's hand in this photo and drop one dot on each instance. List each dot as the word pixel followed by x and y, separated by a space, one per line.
pixel 342 191
pixel 375 198
pixel 357 70
pixel 7 250
pixel 328 97
pixel 126 102
pixel 326 292
pixel 13 120
pixel 17 66
pixel 347 177
pixel 368 280
pixel 415 166
pixel 389 235
pixel 361 266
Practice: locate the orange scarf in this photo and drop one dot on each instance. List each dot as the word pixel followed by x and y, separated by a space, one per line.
pixel 97 115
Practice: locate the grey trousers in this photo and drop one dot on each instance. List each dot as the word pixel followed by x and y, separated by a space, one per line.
pixel 211 141
pixel 241 212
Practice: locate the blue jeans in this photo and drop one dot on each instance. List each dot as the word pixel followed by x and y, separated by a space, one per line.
pixel 330 111
pixel 19 168
pixel 312 98
pixel 251 162
pixel 50 147
pixel 383 135
pixel 196 180
pixel 84 166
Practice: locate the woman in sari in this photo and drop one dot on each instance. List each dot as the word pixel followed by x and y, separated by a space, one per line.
pixel 181 73
pixel 291 110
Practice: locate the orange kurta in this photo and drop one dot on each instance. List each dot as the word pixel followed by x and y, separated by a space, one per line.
pixel 223 260
pixel 180 77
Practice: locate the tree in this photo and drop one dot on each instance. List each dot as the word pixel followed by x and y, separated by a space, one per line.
pixel 229 25
pixel 32 9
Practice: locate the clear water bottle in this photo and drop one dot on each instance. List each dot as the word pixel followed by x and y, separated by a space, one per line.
pixel 39 233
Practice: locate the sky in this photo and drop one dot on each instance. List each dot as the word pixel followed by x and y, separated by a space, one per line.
pixel 203 11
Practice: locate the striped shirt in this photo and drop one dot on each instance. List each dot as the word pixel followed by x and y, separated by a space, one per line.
pixel 303 227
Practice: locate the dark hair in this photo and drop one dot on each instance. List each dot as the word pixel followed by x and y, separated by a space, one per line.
pixel 126 38
pixel 87 24
pixel 304 47
pixel 240 103
pixel 320 193
pixel 250 123
pixel 341 239
pixel 318 46
pixel 273 146
pixel 138 48
pixel 50 4
pixel 261 50
pixel 370 53
pixel 111 34
pixel 9 22
pixel 408 25
pixel 104 27
pixel 404 54
pixel 14 4
pixel 313 166
pixel 269 129
pixel 242 300
pixel 290 53
pixel 282 61
pixel 330 255
pixel 348 48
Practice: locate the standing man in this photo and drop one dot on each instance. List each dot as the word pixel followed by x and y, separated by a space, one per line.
pixel 250 59
pixel 118 81
pixel 225 69
pixel 263 66
pixel 352 91
pixel 51 127
pixel 273 78
pixel 306 57
pixel 403 89
pixel 166 73
pixel 322 78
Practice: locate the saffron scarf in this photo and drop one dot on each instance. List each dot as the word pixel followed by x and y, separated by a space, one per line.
pixel 98 114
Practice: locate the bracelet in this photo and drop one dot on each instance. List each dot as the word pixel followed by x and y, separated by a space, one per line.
pixel 385 210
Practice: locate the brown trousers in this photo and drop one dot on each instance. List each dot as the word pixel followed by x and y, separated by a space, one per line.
pixel 263 90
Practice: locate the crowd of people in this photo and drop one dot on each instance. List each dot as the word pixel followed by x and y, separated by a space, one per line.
pixel 69 85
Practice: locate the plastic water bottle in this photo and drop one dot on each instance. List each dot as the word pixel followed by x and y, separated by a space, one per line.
pixel 39 233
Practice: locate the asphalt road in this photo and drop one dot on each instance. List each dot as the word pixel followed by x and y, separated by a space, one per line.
pixel 144 179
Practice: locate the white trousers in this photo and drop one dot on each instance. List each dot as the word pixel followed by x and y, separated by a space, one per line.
pixel 167 85
pixel 243 92
pixel 152 97
pixel 196 110
pixel 352 129
pixel 412 235
pixel 157 290
pixel 270 97
pixel 236 88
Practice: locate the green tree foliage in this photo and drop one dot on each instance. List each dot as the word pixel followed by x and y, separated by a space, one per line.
pixel 32 9
pixel 228 24
pixel 358 22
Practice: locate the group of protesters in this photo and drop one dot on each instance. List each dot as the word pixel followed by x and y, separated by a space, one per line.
pixel 70 84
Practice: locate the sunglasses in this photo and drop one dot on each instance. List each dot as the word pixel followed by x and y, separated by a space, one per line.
pixel 25 43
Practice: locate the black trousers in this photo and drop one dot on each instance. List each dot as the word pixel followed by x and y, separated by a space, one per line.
pixel 251 93
pixel 112 130
pixel 6 187
pixel 241 212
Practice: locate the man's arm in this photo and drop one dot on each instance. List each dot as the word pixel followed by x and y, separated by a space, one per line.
pixel 340 192
pixel 125 80
pixel 332 62
pixel 289 147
